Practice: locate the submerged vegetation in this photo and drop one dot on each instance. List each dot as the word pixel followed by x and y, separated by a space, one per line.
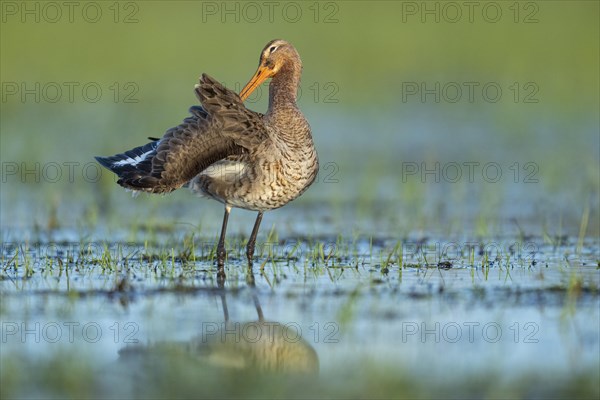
pixel 339 293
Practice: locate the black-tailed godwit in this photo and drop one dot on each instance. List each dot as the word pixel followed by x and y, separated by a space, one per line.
pixel 225 151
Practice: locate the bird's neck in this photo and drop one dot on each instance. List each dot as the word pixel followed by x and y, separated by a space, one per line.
pixel 283 89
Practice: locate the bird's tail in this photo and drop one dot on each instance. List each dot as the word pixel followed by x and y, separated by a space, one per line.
pixel 131 165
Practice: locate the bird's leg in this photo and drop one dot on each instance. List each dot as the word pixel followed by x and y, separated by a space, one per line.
pixel 221 246
pixel 252 240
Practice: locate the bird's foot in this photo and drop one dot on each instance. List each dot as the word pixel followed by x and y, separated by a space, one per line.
pixel 221 278
pixel 250 255
pixel 250 278
pixel 221 265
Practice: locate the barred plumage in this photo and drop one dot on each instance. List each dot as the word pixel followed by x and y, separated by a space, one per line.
pixel 225 151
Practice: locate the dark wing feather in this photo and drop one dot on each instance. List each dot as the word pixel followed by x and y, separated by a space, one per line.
pixel 222 127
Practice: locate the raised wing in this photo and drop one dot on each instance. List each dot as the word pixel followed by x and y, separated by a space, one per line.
pixel 222 127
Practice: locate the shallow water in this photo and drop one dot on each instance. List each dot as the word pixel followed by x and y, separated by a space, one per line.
pixel 479 318
pixel 448 248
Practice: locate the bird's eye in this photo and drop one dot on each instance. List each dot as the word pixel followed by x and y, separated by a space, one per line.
pixel 272 49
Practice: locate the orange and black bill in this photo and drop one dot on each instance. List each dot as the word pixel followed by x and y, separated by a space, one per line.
pixel 262 73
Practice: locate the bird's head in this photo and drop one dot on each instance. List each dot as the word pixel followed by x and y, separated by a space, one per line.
pixel 276 55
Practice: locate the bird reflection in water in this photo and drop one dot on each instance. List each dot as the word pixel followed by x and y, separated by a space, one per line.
pixel 259 346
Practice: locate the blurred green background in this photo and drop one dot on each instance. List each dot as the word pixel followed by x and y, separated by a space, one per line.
pixel 379 89
pixel 360 58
